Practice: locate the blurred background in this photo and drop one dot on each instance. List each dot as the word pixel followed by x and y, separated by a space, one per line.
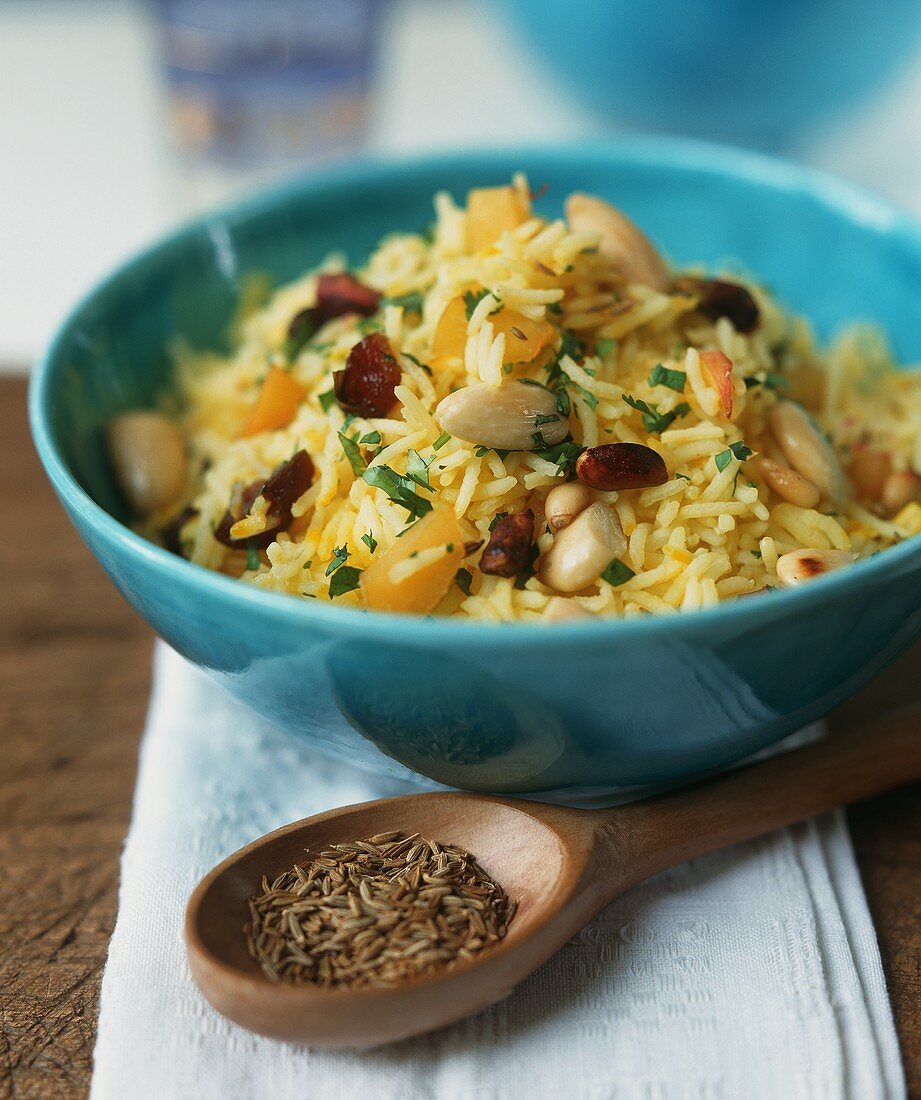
pixel 121 118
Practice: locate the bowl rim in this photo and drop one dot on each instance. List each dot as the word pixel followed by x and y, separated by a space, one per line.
pixel 667 153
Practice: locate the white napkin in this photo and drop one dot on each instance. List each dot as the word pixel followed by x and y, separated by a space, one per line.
pixel 750 973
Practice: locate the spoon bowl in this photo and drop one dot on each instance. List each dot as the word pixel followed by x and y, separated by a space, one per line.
pixel 559 864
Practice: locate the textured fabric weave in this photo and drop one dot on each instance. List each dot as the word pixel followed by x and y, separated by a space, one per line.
pixel 749 973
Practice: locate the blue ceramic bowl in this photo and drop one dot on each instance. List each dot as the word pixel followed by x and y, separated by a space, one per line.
pixel 576 711
pixel 748 71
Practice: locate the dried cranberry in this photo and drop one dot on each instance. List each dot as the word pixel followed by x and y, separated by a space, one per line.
pixel 170 533
pixel 365 387
pixel 286 485
pixel 341 294
pixel 508 551
pixel 336 295
pixel 621 466
pixel 719 298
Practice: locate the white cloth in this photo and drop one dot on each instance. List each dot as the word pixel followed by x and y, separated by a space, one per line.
pixel 750 973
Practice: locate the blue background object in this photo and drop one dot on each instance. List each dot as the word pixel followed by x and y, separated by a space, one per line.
pixel 573 711
pixel 749 71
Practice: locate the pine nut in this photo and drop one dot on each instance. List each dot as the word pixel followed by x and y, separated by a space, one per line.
pixel 806 449
pixel 623 242
pixel 565 502
pixel 800 566
pixel 148 457
pixel 788 484
pixel 561 609
pixel 512 416
pixel 582 551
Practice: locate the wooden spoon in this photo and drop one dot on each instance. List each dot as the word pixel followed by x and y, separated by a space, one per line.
pixel 561 865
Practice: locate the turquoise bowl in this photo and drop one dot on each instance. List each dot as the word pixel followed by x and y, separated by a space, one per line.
pixel 577 712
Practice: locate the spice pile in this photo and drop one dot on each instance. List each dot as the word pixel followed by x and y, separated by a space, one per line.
pixel 375 912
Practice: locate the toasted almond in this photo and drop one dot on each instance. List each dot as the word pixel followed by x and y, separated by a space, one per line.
pixel 800 566
pixel 621 466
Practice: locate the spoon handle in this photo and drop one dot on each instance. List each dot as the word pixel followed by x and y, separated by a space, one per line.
pixel 846 766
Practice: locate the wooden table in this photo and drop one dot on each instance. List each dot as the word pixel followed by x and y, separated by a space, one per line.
pixel 74 679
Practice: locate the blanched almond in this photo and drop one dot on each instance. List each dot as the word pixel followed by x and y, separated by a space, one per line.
pixel 148 456
pixel 806 449
pixel 621 466
pixel 788 484
pixel 582 551
pixel 622 241
pixel 512 416
pixel 800 566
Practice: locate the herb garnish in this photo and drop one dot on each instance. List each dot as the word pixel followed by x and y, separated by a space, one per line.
pixel 604 347
pixel 370 438
pixel 735 450
pixel 339 558
pixel 399 489
pixel 252 556
pixel 495 519
pixel 664 376
pixel 345 579
pixel 417 469
pixel 352 453
pixel 441 441
pixel 617 573
pixel 370 541
pixel 653 420
pixel 463 579
pixel 472 299
pixel 327 400
pixel 562 455
pixel 411 302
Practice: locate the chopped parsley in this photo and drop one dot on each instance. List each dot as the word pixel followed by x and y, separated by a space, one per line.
pixel 441 441
pixel 344 580
pixel 352 453
pixel 463 579
pixel 339 558
pixel 327 400
pixel 540 419
pixel 604 347
pixel 252 556
pixel 495 519
pixel 417 469
pixel 370 541
pixel 303 326
pixel 562 455
pixel 399 489
pixel 418 362
pixel 663 376
pixel 411 302
pixel 367 325
pixel 480 452
pixel 756 554
pixel 371 438
pixel 735 450
pixel 771 381
pixel 472 299
pixel 617 573
pixel 653 420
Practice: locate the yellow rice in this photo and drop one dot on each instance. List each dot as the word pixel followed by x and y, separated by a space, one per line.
pixel 705 536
